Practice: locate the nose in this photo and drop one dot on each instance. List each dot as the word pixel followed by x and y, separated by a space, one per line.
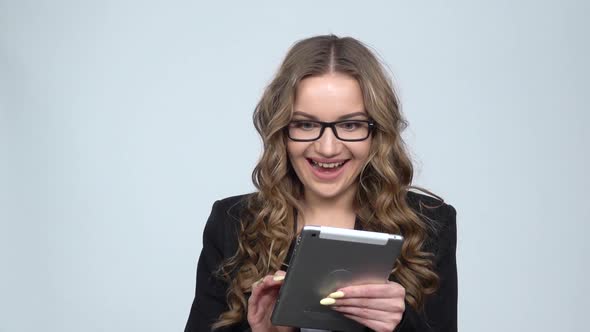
pixel 328 145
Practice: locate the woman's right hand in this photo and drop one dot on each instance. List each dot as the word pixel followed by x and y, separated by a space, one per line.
pixel 261 302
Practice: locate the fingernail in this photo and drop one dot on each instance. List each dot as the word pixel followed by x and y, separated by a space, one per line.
pixel 327 301
pixel 278 278
pixel 337 295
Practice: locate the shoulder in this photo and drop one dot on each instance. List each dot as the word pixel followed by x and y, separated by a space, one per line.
pixel 439 216
pixel 228 210
pixel 432 208
pixel 223 223
pixel 231 207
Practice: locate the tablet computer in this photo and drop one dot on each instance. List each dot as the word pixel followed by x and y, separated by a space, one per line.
pixel 325 259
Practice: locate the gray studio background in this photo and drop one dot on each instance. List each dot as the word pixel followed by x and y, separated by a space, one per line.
pixel 121 122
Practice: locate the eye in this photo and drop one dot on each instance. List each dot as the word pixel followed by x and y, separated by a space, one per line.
pixel 304 125
pixel 351 125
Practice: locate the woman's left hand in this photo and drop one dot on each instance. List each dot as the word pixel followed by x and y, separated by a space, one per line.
pixel 379 307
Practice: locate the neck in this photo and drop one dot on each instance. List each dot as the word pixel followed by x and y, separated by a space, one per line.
pixel 334 211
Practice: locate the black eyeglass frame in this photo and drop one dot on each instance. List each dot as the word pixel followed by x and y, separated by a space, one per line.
pixel 331 125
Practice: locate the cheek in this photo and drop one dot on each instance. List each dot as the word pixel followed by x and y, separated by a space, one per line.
pixel 362 151
pixel 295 151
pixel 290 150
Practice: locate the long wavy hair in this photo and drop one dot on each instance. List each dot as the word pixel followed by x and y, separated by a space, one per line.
pixel 267 224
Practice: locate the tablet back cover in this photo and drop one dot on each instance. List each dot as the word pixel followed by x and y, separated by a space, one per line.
pixel 319 266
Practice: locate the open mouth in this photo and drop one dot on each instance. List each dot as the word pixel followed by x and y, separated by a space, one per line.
pixel 326 167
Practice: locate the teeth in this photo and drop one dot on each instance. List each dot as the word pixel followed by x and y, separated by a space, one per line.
pixel 327 165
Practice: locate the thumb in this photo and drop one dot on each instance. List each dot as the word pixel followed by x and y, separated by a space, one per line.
pixel 280 273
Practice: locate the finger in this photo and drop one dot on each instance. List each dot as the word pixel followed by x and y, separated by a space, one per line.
pixel 264 292
pixel 286 329
pixel 260 287
pixel 279 276
pixel 256 283
pixel 388 290
pixel 259 308
pixel 266 301
pixel 374 325
pixel 275 278
pixel 390 305
pixel 366 313
pixel 257 290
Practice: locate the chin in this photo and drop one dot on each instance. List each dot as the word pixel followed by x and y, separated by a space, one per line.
pixel 329 192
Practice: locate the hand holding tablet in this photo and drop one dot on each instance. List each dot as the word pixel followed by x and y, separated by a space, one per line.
pixel 377 306
pixel 347 269
pixel 262 299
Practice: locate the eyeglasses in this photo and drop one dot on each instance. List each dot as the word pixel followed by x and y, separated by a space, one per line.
pixel 345 130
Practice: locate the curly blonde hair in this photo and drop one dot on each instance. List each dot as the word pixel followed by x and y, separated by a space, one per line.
pixel 267 226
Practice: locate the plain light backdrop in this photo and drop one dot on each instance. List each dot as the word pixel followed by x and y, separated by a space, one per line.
pixel 121 122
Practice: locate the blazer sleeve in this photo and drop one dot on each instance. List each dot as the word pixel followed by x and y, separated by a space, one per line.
pixel 440 309
pixel 210 291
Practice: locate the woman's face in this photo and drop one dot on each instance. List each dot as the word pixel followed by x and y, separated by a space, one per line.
pixel 329 167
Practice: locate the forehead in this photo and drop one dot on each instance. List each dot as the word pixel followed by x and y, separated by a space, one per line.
pixel 329 96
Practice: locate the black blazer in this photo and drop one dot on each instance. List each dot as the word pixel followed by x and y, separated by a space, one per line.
pixel 220 242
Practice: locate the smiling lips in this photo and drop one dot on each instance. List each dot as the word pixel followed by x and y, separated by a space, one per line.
pixel 327 164
pixel 327 169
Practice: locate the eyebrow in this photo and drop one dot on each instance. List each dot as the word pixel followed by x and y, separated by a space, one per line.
pixel 343 117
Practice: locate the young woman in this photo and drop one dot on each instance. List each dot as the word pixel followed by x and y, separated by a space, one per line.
pixel 333 156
